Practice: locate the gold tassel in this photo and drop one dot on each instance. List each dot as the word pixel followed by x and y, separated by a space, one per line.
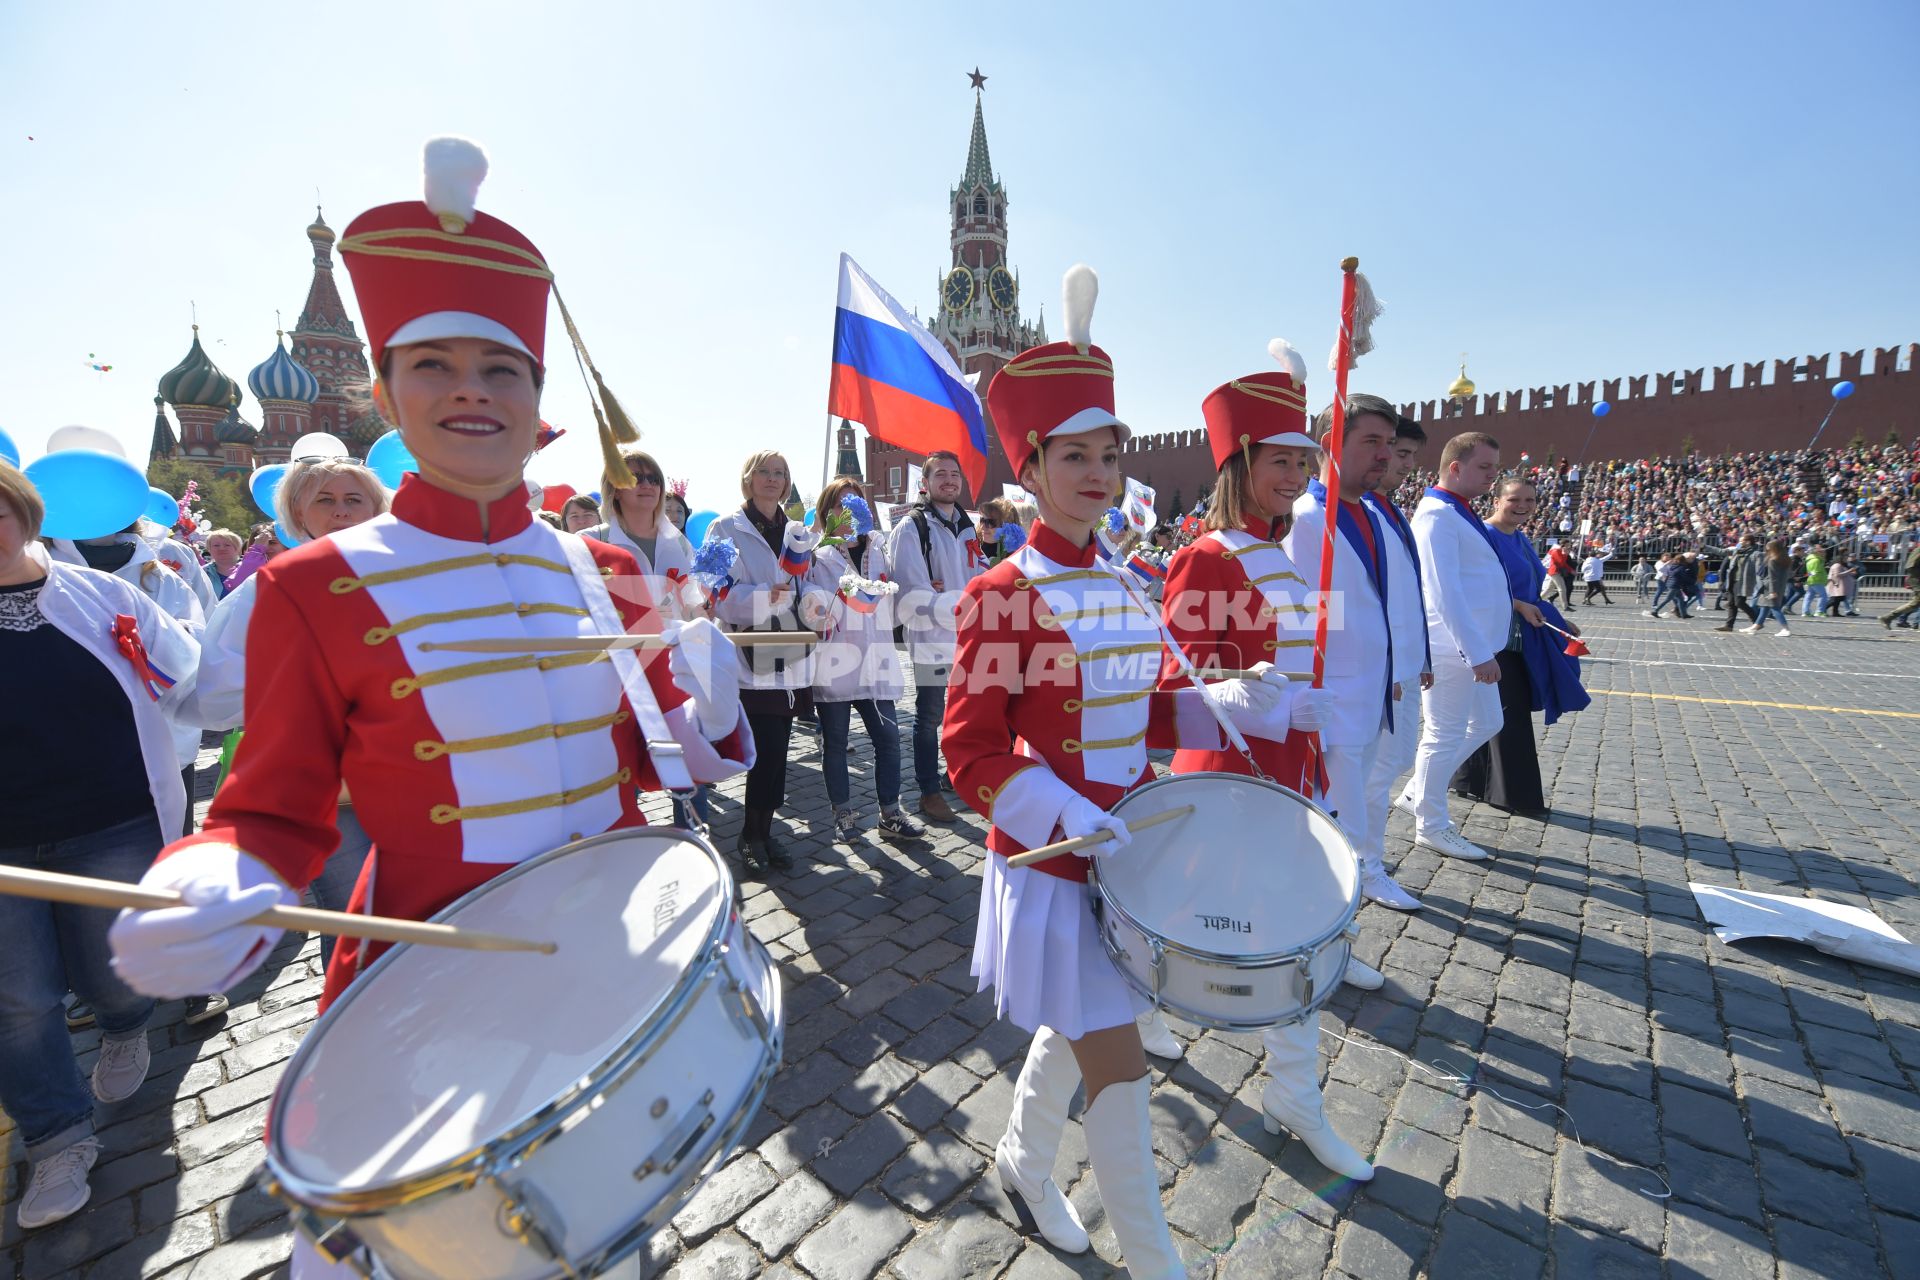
pixel 622 426
pixel 616 466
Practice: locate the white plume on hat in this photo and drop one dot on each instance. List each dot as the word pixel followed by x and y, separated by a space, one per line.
pixel 455 168
pixel 1291 360
pixel 1078 292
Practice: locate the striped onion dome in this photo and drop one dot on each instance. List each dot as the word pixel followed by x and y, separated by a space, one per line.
pixel 279 377
pixel 233 428
pixel 197 381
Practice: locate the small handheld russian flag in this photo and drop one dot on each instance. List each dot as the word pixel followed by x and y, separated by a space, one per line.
pixel 1149 570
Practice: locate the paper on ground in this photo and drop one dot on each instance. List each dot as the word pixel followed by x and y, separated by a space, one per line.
pixel 1835 928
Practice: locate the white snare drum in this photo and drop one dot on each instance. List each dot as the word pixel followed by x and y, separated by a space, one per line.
pixel 1238 916
pixel 515 1116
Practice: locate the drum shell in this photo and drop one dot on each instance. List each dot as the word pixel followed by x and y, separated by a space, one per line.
pixel 687 1087
pixel 1223 986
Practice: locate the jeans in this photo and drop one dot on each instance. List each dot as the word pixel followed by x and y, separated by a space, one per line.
pixel 1816 601
pixel 333 887
pixel 48 949
pixel 929 709
pixel 1678 598
pixel 883 730
pixel 1770 610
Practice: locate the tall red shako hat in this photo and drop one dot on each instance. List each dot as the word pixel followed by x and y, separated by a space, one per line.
pixel 1061 389
pixel 439 268
pixel 1260 408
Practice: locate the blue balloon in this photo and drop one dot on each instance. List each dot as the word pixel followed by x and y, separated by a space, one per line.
pixel 808 518
pixel 390 459
pixel 697 525
pixel 9 450
pixel 1841 390
pixel 264 483
pixel 89 494
pixel 162 508
pixel 595 495
pixel 1602 409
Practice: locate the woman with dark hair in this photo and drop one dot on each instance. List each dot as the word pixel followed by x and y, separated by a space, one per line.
pixel 856 667
pixel 776 680
pixel 90 786
pixel 1535 672
pixel 579 513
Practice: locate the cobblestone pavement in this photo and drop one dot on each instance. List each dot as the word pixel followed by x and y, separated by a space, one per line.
pixel 1773 1086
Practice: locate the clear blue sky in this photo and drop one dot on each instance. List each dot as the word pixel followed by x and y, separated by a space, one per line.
pixel 1563 192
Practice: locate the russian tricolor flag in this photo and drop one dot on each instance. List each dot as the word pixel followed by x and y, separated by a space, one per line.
pixel 892 377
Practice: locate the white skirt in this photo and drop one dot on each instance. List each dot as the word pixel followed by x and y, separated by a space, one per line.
pixel 1038 947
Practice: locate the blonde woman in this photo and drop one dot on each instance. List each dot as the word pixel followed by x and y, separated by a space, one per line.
pixel 776 681
pixel 636 522
pixel 316 498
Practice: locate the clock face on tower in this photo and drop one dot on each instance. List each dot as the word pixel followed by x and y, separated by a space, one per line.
pixel 958 290
pixel 1002 288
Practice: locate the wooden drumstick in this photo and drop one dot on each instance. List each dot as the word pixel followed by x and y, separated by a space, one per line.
pixel 1054 850
pixel 601 644
pixel 85 891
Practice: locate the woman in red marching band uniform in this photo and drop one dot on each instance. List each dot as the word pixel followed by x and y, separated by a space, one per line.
pixel 1234 599
pixel 1052 706
pixel 460 766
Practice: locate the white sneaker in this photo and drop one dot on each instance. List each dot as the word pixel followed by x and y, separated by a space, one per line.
pixel 1157 1038
pixel 59 1188
pixel 1453 844
pixel 1403 802
pixel 122 1068
pixel 1750 629
pixel 1783 632
pixel 1378 886
pixel 1362 976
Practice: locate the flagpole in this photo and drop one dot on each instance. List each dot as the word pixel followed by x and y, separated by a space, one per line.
pixel 1336 436
pixel 826 460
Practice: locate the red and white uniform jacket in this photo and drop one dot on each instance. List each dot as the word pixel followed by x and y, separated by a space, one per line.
pixel 1055 693
pixel 1234 599
pixel 460 764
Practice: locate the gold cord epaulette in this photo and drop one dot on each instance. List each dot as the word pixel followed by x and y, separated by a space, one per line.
pixel 442 814
pixel 346 586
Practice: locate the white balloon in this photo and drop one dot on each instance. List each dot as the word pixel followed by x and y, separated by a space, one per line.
pixel 317 445
pixel 78 437
pixel 534 496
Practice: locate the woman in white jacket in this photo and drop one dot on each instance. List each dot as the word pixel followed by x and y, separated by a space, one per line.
pixel 776 681
pixel 635 523
pixel 316 498
pixel 90 785
pixel 856 667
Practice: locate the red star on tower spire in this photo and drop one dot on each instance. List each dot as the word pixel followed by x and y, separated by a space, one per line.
pixel 979 81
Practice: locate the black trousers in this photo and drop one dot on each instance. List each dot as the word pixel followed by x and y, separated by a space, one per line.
pixel 1566 587
pixel 1599 586
pixel 767 780
pixel 1735 604
pixel 1506 771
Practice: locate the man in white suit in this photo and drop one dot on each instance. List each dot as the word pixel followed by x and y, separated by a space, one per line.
pixel 1360 638
pixel 1469 612
pixel 1412 669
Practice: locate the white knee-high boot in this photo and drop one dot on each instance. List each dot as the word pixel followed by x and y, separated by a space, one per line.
pixel 1292 1098
pixel 1025 1155
pixel 1120 1148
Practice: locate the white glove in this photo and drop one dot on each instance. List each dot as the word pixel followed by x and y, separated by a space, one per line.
pixel 1311 709
pixel 800 538
pixel 204 946
pixel 1256 706
pixel 1082 817
pixel 705 666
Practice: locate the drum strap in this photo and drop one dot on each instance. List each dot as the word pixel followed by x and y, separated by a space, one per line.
pixel 663 748
pixel 1187 669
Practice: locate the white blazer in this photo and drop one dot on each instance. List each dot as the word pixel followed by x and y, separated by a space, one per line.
pixel 1405 614
pixel 213 696
pixel 927 617
pixel 748 606
pixel 82 604
pixel 1359 644
pixel 665 572
pixel 855 658
pixel 1469 606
